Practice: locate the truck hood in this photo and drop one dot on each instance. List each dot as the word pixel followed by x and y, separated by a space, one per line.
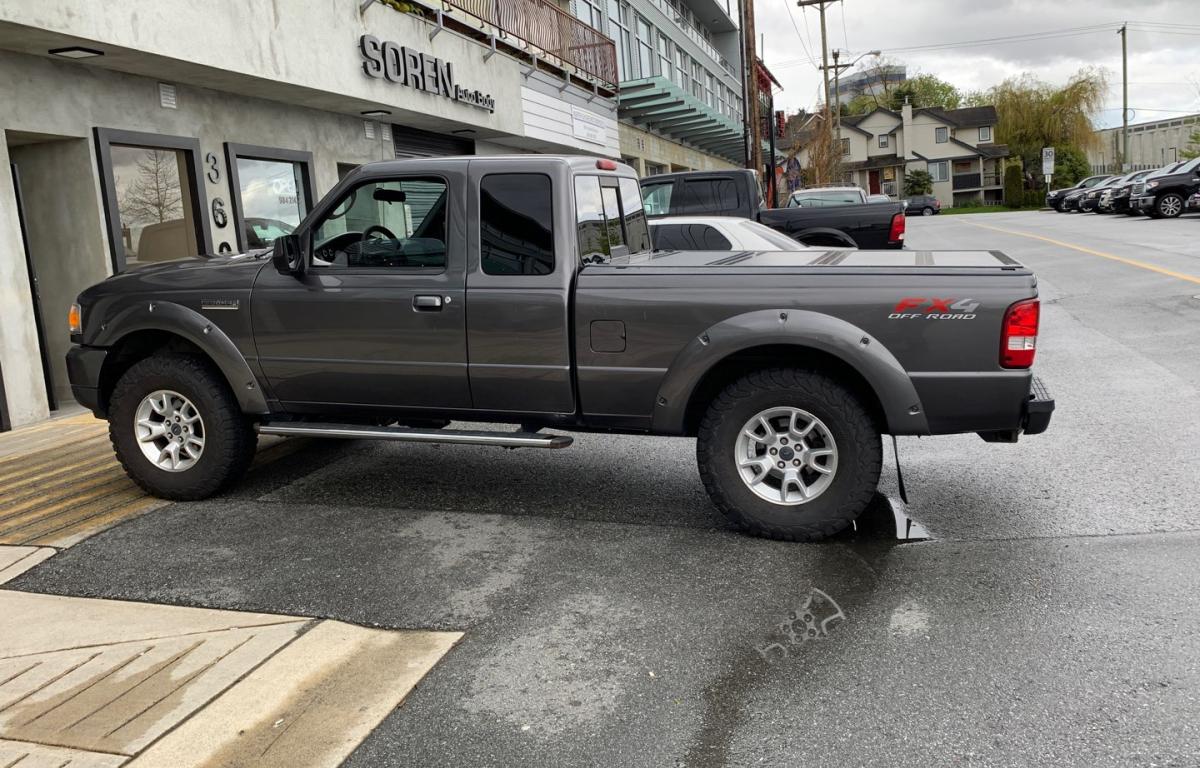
pixel 213 272
pixel 816 257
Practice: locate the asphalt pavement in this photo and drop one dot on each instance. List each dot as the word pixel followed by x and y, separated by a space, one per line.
pixel 611 618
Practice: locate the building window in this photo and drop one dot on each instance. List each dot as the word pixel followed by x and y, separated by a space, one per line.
pixel 845 147
pixel 645 48
pixel 153 197
pixel 271 192
pixel 681 69
pixel 591 14
pixel 883 141
pixel 939 171
pixel 985 133
pixel 516 224
pixel 664 57
pixel 697 80
pixel 941 135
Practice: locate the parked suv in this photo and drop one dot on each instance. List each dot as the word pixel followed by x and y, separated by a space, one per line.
pixel 1118 201
pixel 1055 199
pixel 925 205
pixel 1164 195
pixel 1089 200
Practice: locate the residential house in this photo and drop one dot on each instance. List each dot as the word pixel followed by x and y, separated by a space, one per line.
pixel 956 146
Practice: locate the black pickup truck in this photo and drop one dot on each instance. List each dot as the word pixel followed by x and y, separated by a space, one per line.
pixel 524 290
pixel 1165 195
pixel 872 226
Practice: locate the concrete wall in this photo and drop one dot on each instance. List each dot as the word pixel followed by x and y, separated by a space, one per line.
pixel 644 147
pixel 300 52
pixel 23 387
pixel 1151 145
pixel 63 216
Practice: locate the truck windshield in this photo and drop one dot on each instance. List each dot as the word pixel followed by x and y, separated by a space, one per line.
pixel 821 198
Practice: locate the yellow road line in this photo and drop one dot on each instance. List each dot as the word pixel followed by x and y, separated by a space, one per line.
pixel 1101 254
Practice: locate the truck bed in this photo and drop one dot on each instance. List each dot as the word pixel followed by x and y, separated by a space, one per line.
pixel 815 257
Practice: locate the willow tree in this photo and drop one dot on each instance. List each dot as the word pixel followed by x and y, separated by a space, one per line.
pixel 1033 114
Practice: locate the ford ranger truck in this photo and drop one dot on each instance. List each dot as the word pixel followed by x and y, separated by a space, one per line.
pixel 525 291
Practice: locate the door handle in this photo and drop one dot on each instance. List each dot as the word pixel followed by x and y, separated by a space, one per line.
pixel 427 303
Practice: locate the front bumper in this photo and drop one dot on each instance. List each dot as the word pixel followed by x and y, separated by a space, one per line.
pixel 1143 203
pixel 83 369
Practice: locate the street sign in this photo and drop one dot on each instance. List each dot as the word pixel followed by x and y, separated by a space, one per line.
pixel 1047 160
pixel 1048 178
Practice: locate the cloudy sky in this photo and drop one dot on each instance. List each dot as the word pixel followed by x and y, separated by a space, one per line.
pixel 1164 45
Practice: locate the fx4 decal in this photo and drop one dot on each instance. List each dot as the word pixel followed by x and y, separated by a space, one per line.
pixel 917 307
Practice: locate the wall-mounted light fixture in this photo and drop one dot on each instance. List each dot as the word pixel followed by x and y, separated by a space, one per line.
pixel 75 52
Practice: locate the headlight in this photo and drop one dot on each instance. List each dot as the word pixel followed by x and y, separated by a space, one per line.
pixel 75 319
pixel 1151 184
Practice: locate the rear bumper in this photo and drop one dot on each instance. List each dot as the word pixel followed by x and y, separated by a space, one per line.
pixel 1038 408
pixel 83 369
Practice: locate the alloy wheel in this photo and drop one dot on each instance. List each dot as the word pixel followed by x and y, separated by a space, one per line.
pixel 786 456
pixel 169 430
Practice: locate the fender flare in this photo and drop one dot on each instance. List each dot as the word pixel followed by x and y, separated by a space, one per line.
pixel 155 315
pixel 829 232
pixel 793 327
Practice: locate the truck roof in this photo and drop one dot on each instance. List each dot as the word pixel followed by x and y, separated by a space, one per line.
pixel 577 163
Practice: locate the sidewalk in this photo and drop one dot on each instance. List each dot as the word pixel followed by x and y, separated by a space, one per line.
pixel 92 683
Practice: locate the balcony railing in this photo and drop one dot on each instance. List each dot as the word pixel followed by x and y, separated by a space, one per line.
pixel 544 25
pixel 966 181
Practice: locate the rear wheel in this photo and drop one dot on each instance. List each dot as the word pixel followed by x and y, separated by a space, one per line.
pixel 177 429
pixel 927 211
pixel 789 454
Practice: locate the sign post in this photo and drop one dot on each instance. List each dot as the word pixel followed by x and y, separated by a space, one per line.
pixel 1047 166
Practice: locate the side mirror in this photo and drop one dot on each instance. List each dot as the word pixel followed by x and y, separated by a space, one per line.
pixel 287 256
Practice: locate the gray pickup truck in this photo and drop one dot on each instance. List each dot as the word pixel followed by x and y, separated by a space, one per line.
pixel 525 291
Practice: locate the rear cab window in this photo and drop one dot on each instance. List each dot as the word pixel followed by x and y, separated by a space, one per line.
pixel 610 218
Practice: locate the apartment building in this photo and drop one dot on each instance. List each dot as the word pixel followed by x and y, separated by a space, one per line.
pixel 680 100
pixel 874 80
pixel 1152 144
pixel 956 146
pixel 147 130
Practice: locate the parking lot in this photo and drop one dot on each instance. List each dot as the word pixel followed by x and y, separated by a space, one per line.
pixel 610 617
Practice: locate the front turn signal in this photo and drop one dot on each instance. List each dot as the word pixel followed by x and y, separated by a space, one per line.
pixel 75 319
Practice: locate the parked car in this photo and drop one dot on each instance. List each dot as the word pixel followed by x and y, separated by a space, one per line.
pixel 1089 201
pixel 524 290
pixel 719 233
pixel 878 198
pixel 1056 198
pixel 824 197
pixel 1070 201
pixel 735 193
pixel 1164 195
pixel 925 205
pixel 1118 201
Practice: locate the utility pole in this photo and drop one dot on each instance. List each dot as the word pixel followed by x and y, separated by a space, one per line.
pixel 837 92
pixel 750 88
pixel 1124 98
pixel 824 66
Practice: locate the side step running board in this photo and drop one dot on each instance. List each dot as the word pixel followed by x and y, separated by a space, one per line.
pixel 410 435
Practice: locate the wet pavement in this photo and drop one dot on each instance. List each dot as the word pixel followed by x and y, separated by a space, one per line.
pixel 1051 615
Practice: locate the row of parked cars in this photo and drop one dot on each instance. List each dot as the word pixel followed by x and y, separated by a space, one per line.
pixel 1161 193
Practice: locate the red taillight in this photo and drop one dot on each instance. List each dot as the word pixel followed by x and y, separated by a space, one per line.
pixel 606 165
pixel 896 233
pixel 1018 341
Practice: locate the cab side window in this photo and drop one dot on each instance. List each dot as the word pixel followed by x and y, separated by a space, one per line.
pixel 398 223
pixel 656 198
pixel 516 224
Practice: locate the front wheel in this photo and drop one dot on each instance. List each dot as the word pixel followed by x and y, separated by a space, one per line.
pixel 177 429
pixel 1169 205
pixel 789 454
pixel 927 211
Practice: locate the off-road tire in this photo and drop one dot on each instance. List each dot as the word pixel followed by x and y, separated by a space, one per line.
pixel 230 440
pixel 860 454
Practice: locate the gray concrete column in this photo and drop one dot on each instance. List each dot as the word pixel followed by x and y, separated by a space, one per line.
pixel 19 357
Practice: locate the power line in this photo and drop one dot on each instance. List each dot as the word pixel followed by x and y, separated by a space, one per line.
pixel 800 37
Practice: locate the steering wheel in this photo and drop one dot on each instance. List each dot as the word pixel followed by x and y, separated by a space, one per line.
pixel 378 229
